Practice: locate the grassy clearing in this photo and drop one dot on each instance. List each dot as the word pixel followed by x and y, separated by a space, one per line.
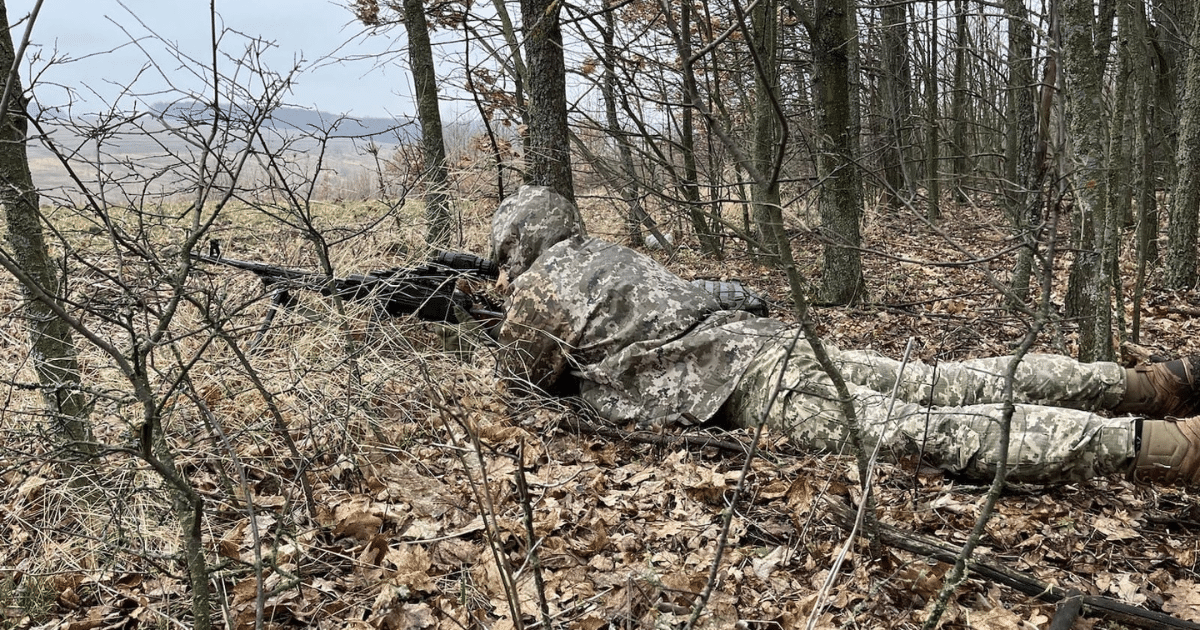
pixel 330 379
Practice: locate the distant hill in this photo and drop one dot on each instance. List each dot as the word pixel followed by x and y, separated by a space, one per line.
pixel 306 120
pixel 152 145
pixel 148 149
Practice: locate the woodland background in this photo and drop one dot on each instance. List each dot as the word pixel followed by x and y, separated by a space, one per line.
pixel 939 179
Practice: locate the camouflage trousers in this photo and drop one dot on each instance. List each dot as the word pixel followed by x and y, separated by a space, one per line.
pixel 947 414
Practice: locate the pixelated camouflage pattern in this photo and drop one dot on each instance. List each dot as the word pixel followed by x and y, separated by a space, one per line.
pixel 528 223
pixel 646 345
pixel 948 414
pixel 649 347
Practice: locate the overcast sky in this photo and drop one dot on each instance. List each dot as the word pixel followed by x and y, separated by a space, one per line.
pixel 304 30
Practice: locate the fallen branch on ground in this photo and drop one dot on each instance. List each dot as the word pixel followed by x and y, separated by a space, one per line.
pixel 1100 606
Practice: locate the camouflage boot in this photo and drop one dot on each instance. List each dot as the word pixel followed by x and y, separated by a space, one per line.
pixel 1161 390
pixel 1169 453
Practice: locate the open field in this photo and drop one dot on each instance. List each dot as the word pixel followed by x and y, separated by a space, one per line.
pixel 348 169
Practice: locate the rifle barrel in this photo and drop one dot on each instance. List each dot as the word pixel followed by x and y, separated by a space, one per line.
pixel 270 274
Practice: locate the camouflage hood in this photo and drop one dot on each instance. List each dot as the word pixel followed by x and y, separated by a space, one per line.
pixel 529 223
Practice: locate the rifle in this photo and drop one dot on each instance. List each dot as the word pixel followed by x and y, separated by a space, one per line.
pixel 429 292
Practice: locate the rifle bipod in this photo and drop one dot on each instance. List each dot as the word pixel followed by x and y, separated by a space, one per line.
pixel 281 300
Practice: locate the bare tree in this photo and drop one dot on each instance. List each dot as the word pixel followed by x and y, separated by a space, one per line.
pixel 1182 227
pixel 896 101
pixel 1022 188
pixel 1150 144
pixel 959 152
pixel 29 261
pixel 703 225
pixel 933 147
pixel 425 84
pixel 767 150
pixel 841 190
pixel 126 228
pixel 1084 45
pixel 629 186
pixel 549 158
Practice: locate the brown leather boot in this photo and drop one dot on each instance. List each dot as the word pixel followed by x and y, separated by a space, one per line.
pixel 1161 390
pixel 1169 453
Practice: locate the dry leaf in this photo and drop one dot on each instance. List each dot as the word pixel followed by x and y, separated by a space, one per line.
pixel 1114 529
pixel 360 525
pixel 1183 600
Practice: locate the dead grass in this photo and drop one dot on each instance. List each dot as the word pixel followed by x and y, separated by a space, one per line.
pixel 408 512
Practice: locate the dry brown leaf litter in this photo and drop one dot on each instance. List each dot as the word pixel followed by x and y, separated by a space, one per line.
pixel 410 519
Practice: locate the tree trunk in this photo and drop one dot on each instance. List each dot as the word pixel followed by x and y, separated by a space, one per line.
pixel 1182 226
pixel 958 103
pixel 841 276
pixel 1149 144
pixel 420 57
pixel 1118 166
pixel 1019 151
pixel 608 89
pixel 1119 143
pixel 1083 70
pixel 549 154
pixel 187 503
pixel 53 351
pixel 933 185
pixel 701 224
pixel 854 86
pixel 897 99
pixel 1169 34
pixel 767 121
pixel 1153 137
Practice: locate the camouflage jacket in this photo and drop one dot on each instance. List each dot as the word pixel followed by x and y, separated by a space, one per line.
pixel 645 344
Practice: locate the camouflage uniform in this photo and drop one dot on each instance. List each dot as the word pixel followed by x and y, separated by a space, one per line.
pixel 947 414
pixel 645 345
pixel 649 347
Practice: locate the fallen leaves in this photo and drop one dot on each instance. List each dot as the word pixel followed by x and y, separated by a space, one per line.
pixel 1115 528
pixel 1183 600
pixel 409 535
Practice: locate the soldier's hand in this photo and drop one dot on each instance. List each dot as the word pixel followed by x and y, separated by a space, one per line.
pixel 502 286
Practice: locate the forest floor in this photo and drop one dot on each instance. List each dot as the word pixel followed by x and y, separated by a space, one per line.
pixel 427 478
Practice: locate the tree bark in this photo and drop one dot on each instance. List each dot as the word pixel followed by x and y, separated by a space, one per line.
pixel 1169 35
pixel 701 223
pixel 1150 143
pixel 420 58
pixel 768 214
pixel 841 275
pixel 1180 272
pixel 958 103
pixel 549 154
pixel 1083 69
pixel 187 503
pixel 608 90
pixel 1022 194
pixel 897 101
pixel 933 183
pixel 1118 158
pixel 50 338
